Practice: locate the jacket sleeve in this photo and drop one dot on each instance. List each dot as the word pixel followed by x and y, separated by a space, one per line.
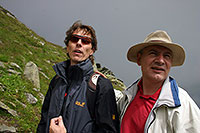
pixel 106 116
pixel 45 108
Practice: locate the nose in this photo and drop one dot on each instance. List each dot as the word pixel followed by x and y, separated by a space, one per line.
pixel 160 59
pixel 79 43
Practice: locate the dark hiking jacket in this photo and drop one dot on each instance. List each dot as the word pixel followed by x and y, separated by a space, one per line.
pixel 66 96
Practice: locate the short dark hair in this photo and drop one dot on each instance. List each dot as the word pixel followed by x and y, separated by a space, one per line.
pixel 87 30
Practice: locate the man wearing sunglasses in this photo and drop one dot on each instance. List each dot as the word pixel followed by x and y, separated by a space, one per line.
pixel 66 106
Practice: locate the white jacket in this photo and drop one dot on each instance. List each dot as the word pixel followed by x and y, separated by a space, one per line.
pixel 173 112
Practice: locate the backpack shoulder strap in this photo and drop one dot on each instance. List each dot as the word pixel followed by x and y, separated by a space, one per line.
pixel 92 83
pixel 92 93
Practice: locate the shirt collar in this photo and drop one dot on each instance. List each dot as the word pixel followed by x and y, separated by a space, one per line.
pixel 152 97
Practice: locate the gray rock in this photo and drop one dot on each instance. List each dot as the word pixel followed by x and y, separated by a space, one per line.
pixel 30 52
pixel 2 64
pixel 41 97
pixel 42 43
pixel 12 104
pixel 14 72
pixel 48 61
pixel 5 107
pixel 10 15
pixel 30 98
pixel 24 105
pixel 35 89
pixel 55 52
pixel 15 65
pixel 16 41
pixel 7 129
pixel 31 73
pixel 45 75
pixel 2 87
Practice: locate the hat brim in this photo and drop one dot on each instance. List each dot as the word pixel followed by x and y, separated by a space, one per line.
pixel 177 50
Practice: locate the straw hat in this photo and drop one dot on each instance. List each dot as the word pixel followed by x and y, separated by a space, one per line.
pixel 161 38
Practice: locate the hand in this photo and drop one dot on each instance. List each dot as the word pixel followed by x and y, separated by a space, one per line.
pixel 57 126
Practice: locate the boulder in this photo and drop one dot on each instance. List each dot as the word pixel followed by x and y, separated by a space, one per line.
pixel 31 72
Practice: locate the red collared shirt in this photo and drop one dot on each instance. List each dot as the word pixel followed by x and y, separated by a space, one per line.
pixel 138 110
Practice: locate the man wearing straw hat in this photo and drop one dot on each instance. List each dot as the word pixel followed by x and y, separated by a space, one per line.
pixel 155 102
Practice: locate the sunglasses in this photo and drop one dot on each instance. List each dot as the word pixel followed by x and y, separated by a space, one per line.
pixel 85 40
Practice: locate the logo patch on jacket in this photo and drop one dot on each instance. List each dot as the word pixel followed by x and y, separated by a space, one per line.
pixel 80 103
pixel 113 117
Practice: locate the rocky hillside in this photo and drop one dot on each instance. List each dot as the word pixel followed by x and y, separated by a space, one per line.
pixel 26 61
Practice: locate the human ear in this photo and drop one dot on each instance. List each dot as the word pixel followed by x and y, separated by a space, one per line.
pixel 92 52
pixel 139 59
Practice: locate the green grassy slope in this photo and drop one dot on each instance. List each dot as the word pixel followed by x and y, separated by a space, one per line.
pixel 20 45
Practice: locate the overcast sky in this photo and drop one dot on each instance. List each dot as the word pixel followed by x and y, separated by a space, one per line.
pixel 119 24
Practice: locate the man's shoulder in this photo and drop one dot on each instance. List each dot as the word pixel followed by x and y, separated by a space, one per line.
pixel 184 96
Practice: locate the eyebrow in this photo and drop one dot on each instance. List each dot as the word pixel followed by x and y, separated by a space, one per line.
pixel 166 52
pixel 152 50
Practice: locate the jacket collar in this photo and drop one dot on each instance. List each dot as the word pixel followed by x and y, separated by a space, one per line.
pixel 169 94
pixel 63 68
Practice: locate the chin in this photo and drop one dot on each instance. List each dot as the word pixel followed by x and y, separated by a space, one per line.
pixel 77 59
pixel 159 78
